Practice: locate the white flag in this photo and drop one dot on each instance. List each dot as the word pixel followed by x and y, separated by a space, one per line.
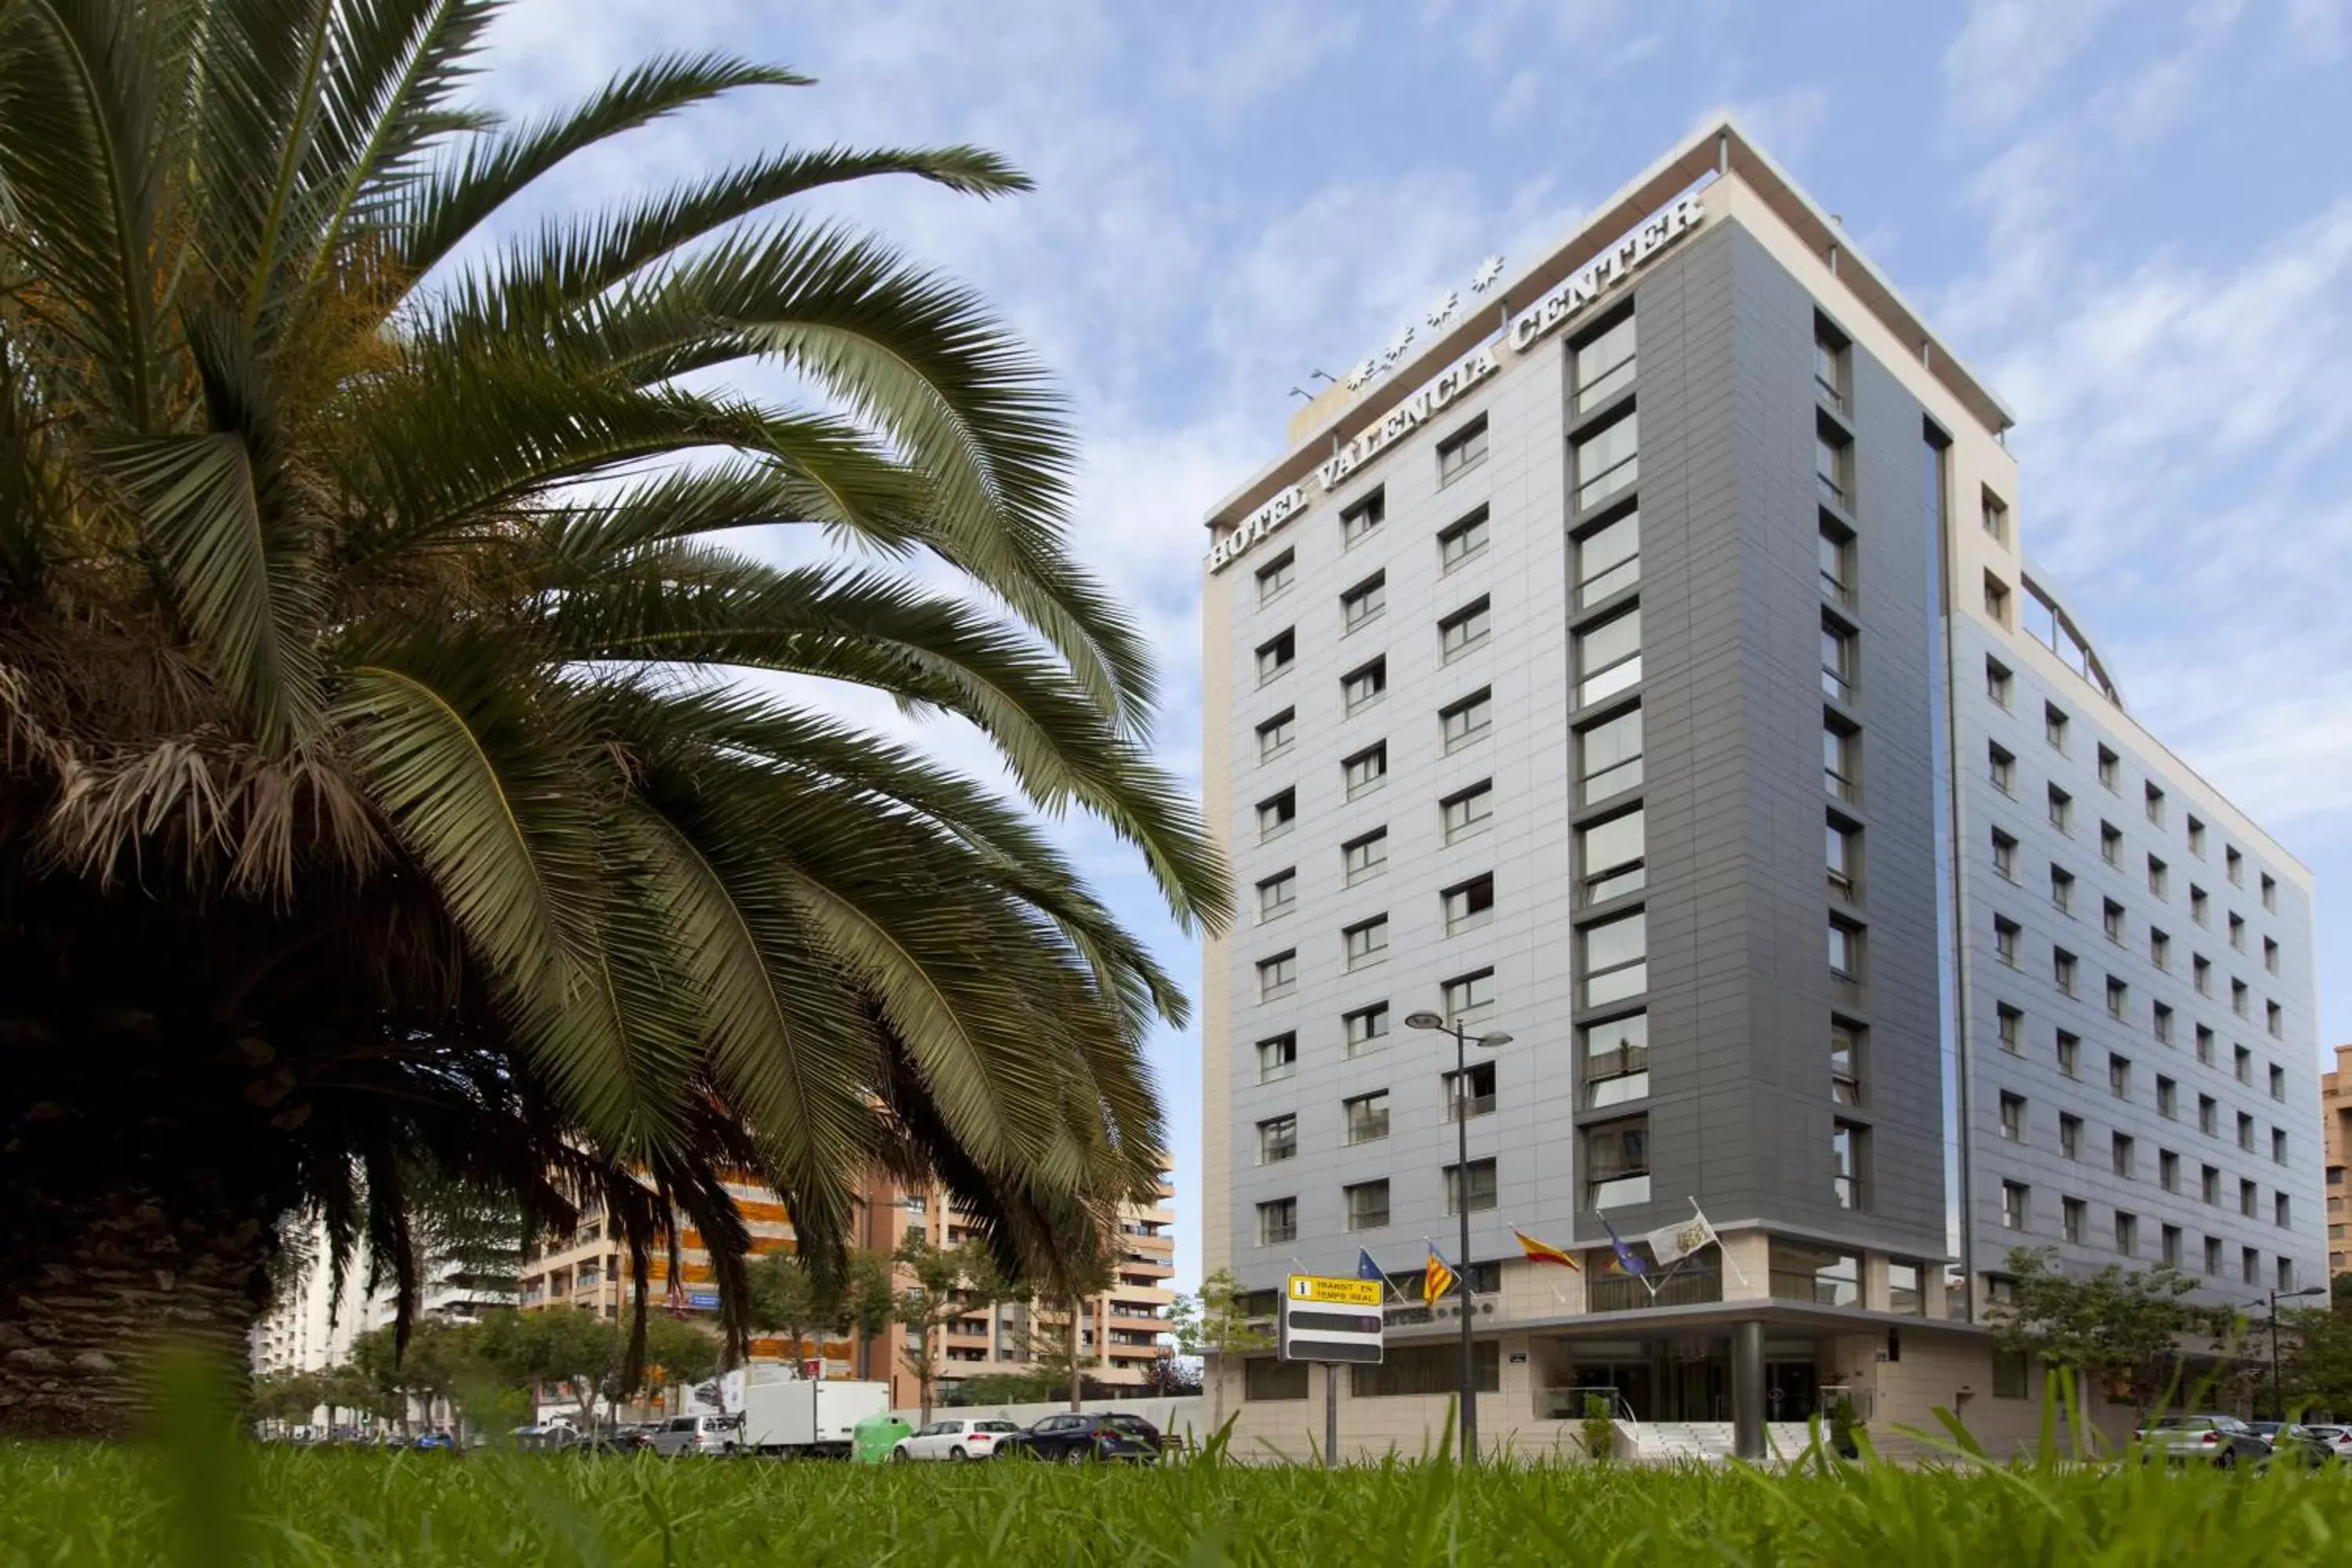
pixel 1673 1243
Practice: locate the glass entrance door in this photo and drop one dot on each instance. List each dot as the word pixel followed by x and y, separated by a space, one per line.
pixel 1792 1391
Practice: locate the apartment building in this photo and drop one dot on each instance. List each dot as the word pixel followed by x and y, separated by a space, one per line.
pixel 1645 663
pixel 2336 1131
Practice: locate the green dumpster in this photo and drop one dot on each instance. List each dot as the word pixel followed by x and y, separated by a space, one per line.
pixel 872 1439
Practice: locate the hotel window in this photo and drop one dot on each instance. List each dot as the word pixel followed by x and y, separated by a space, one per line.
pixel 1365 770
pixel 2062 889
pixel 1363 858
pixel 1996 517
pixel 2012 1118
pixel 2234 865
pixel 1468 813
pixel 1609 857
pixel 1608 560
pixel 2010 1025
pixel 1366 1028
pixel 1904 1293
pixel 1470 997
pixel 2061 970
pixel 2123 1157
pixel 2242 1063
pixel 2209 1116
pixel 2237 932
pixel 2160 1020
pixel 2274 1019
pixel 2155 805
pixel 1999 683
pixel 1277 655
pixel 2002 768
pixel 1841 759
pixel 1845 945
pixel 2118 997
pixel 1277 976
pixel 1358 521
pixel 1463 539
pixel 2281 1210
pixel 1608 460
pixel 2167 1171
pixel 1469 905
pixel 1274 578
pixel 1367 941
pixel 1467 720
pixel 1849 1164
pixel 2157 876
pixel 2127 1233
pixel 1277 1222
pixel 1996 599
pixel 2249 1198
pixel 1362 687
pixel 1610 756
pixel 1617 1163
pixel 1275 736
pixel 2245 1132
pixel 1842 848
pixel 2061 810
pixel 2004 856
pixel 2197 839
pixel 1363 603
pixel 2016 1201
pixel 2072 1213
pixel 1847 1044
pixel 2210 1185
pixel 2238 995
pixel 1616 959
pixel 1833 464
pixel 1278 896
pixel 1617 1060
pixel 2111 844
pixel 1275 815
pixel 2278 1145
pixel 1830 362
pixel 2004 940
pixel 1469 1093
pixel 2213 1255
pixel 1367 1205
pixel 2278 1081
pixel 2119 1076
pixel 1277 1058
pixel 2284 1274
pixel 2053 726
pixel 2111 919
pixel 2201 909
pixel 1838 661
pixel 1277 1140
pixel 1464 629
pixel 1477 1193
pixel 2070 1136
pixel 1366 1117
pixel 2108 763
pixel 1604 364
pixel 2250 1265
pixel 1465 450
pixel 1609 656
pixel 2270 955
pixel 1837 563
pixel 2200 974
pixel 2270 892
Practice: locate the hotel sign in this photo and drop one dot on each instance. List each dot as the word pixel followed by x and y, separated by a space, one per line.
pixel 1529 328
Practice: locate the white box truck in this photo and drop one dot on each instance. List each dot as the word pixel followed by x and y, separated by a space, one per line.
pixel 809 1418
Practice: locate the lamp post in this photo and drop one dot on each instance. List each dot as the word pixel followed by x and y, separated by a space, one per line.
pixel 2278 1402
pixel 1461 1039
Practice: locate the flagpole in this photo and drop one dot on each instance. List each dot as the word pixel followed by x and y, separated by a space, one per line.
pixel 1722 1251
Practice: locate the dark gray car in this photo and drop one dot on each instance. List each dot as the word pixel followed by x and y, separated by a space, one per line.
pixel 2221 1441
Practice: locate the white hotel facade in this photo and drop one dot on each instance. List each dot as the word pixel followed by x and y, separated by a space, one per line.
pixel 1649 665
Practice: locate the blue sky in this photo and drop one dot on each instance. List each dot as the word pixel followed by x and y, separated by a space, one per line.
pixel 2131 219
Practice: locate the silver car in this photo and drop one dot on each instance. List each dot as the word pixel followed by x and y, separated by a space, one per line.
pixel 2223 1441
pixel 683 1434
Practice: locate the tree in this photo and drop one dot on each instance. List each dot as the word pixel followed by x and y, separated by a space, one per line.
pixel 789 1298
pixel 1216 1325
pixel 2316 1360
pixel 946 1283
pixel 285 1398
pixel 2119 1328
pixel 589 1355
pixel 376 802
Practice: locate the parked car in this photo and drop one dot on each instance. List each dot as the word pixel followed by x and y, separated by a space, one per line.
pixel 1073 1439
pixel 2291 1440
pixel 437 1442
pixel 1138 1428
pixel 683 1435
pixel 961 1437
pixel 2221 1441
pixel 2339 1440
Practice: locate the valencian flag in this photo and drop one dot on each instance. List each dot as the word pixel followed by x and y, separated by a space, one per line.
pixel 1543 1251
pixel 1626 1262
pixel 1437 1279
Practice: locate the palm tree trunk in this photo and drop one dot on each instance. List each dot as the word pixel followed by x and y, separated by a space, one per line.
pixel 91 1284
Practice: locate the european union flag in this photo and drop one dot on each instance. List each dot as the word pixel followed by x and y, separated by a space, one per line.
pixel 1626 1260
pixel 1368 1269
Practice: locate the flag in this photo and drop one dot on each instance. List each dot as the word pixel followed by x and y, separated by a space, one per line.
pixel 1673 1243
pixel 1368 1269
pixel 1543 1252
pixel 1437 1278
pixel 1626 1262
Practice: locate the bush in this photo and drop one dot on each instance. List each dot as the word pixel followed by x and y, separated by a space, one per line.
pixel 1599 1432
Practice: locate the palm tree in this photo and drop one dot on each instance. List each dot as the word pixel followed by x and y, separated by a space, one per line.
pixel 392 789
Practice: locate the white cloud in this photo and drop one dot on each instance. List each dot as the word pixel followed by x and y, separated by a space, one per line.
pixel 2008 52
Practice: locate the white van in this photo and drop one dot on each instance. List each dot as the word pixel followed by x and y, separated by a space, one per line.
pixel 682 1434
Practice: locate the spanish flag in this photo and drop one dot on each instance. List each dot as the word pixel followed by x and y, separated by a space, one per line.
pixel 1437 1279
pixel 1543 1251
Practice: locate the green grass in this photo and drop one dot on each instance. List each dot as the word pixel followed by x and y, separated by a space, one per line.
pixel 182 1504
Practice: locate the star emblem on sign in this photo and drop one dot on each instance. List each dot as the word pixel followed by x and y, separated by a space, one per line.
pixel 1362 373
pixel 1443 308
pixel 1398 345
pixel 1484 279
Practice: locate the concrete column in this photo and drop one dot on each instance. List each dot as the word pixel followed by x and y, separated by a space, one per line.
pixel 1748 1389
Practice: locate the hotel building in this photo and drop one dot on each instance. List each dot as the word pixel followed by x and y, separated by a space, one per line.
pixel 1648 664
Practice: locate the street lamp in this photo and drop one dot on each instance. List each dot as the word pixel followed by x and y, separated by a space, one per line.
pixel 2278 1403
pixel 1462 1040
